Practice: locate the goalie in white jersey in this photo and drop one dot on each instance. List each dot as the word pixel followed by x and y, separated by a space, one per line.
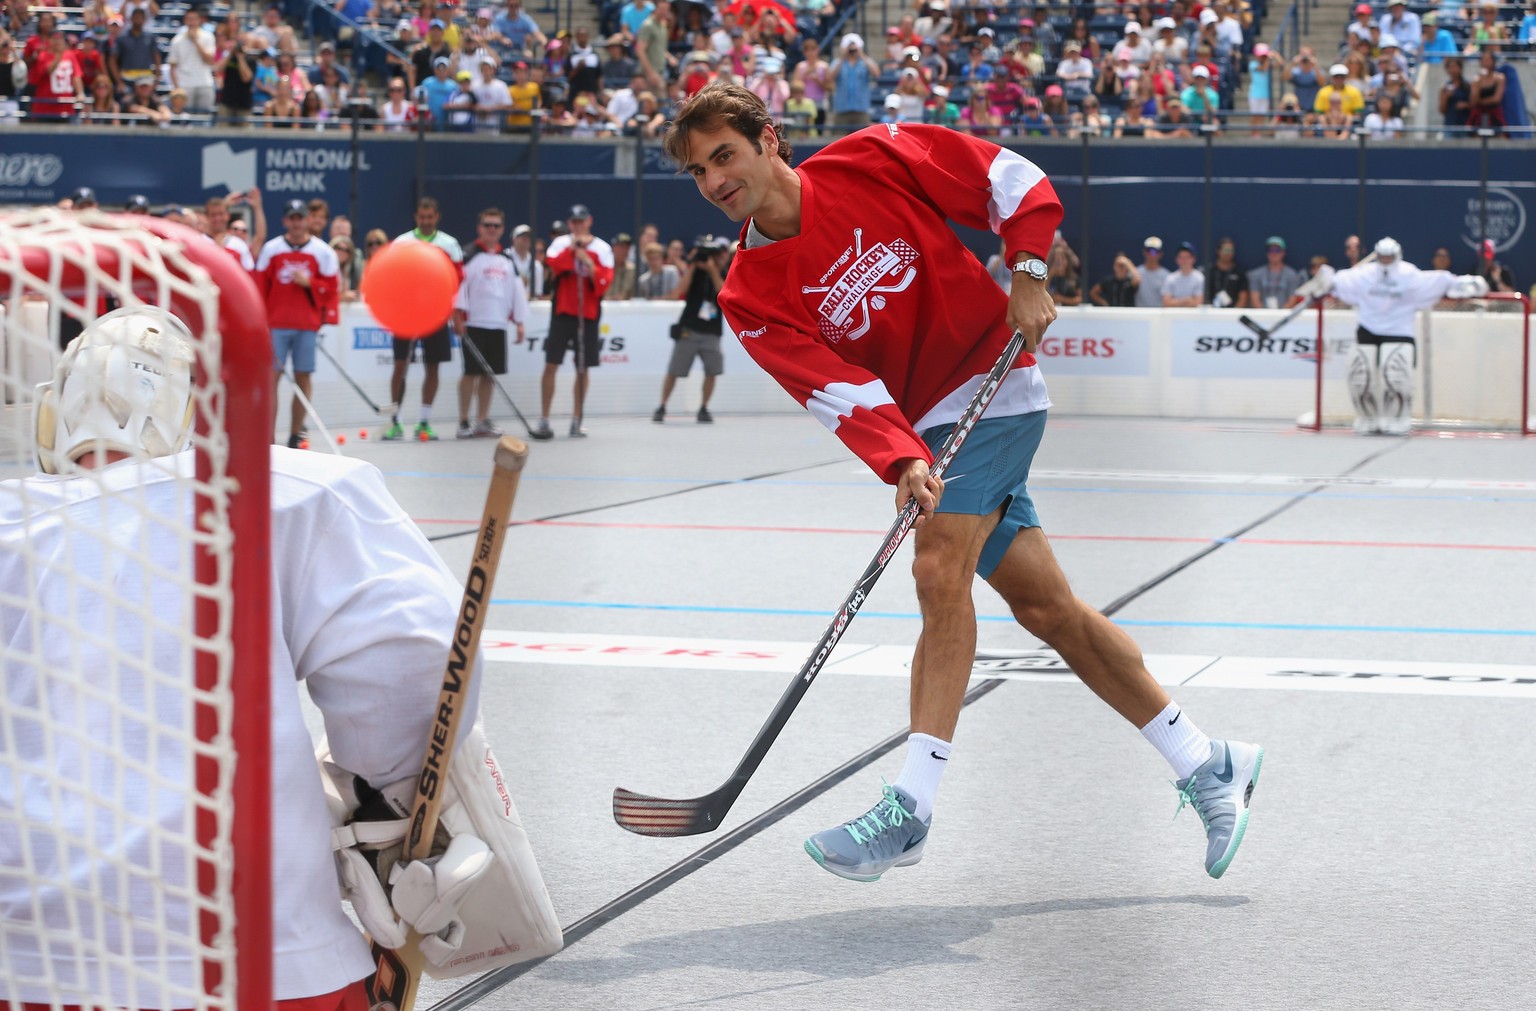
pixel 1386 294
pixel 362 611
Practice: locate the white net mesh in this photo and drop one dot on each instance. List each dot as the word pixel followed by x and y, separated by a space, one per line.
pixel 116 764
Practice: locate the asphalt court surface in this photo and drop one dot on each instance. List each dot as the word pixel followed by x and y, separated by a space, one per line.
pixel 1364 608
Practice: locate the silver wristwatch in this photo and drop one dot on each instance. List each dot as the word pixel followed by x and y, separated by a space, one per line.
pixel 1034 267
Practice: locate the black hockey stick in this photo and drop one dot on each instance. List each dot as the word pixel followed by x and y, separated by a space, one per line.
pixel 350 381
pixel 469 346
pixel 656 816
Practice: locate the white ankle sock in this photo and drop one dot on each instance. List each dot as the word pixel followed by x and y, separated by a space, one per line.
pixel 1175 736
pixel 927 757
pixel 426 415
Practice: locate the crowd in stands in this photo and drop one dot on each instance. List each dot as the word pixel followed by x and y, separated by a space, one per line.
pixel 1151 69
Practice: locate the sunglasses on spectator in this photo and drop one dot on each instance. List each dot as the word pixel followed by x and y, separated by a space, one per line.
pixel 492 224
pixel 375 243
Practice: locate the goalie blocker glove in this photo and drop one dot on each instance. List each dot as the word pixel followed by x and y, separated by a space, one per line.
pixel 479 900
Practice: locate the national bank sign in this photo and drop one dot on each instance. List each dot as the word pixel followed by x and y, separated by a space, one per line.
pixel 278 168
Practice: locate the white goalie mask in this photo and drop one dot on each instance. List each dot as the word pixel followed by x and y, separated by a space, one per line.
pixel 124 384
pixel 1388 251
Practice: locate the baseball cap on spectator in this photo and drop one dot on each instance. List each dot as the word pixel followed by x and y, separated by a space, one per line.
pixel 989 33
pixel 1397 3
pixel 579 212
pixel 404 26
pixel 441 61
pixel 83 197
pixel 893 101
pixel 770 65
pixel 1430 20
pixel 295 208
pixel 326 47
pixel 1072 46
pixel 1153 242
pixel 1362 8
pixel 1260 50
pixel 436 23
pixel 910 72
pixel 1054 89
pixel 137 204
pixel 521 230
pixel 939 91
pixel 1165 25
pixel 483 13
pixel 893 30
pixel 851 41
pixel 1209 17
pixel 1338 70
pixel 1273 241
pixel 911 52
pixel 464 75
pixel 1132 28
pixel 1190 246
pixel 1200 71
pixel 1031 102
pixel 1027 23
pixel 1390 42
pixel 624 239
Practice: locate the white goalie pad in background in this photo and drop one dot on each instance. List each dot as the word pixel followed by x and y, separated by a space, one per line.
pixel 508 918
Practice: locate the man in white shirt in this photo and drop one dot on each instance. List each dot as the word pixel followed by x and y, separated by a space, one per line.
pixel 192 57
pixel 1169 44
pixel 1134 45
pixel 1404 26
pixel 626 101
pixel 1149 294
pixel 490 296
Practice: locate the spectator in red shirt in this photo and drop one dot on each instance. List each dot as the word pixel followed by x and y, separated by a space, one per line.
pixel 58 85
pixel 298 277
pixel 38 43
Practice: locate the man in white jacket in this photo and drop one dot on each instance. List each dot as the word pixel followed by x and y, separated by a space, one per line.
pixel 1387 293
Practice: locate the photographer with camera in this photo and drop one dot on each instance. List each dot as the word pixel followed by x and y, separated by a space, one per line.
pixel 697 331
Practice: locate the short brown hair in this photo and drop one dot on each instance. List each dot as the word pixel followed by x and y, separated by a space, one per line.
pixel 720 105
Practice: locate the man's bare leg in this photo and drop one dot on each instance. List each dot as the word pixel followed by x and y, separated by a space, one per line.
pixel 301 380
pixel 547 389
pixel 1099 652
pixel 946 548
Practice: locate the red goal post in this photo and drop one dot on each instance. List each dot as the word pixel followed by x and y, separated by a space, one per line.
pixel 1491 391
pixel 57 264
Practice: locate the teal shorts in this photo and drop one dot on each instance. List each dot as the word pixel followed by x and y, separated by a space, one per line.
pixel 990 472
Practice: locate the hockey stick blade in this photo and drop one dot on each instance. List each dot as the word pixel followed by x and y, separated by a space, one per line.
pixel 659 816
pixel 1253 325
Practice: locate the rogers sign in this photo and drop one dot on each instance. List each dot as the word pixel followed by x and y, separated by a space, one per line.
pixel 1080 345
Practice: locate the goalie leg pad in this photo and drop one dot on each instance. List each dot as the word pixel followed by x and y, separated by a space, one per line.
pixel 1397 374
pixel 507 916
pixel 1365 387
pixel 495 908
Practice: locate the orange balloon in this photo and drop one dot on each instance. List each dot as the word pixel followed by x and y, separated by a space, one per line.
pixel 409 288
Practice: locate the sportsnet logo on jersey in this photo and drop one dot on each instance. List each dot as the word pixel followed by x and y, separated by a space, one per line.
pixel 863 278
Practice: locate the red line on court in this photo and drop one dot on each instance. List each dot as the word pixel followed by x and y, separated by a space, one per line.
pixel 748 528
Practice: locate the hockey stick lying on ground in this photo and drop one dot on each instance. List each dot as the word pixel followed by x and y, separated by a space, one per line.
pixel 469 346
pixel 313 414
pixel 660 817
pixel 1300 308
pixel 397 972
pixel 353 383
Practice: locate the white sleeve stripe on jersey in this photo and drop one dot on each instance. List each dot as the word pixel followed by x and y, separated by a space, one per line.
pixel 1011 176
pixel 831 405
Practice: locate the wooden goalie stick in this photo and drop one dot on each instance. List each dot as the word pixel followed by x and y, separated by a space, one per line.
pixel 397 972
pixel 657 816
pixel 1300 308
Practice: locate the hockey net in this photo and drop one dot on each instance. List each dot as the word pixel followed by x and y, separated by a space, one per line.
pixel 1474 366
pixel 134 840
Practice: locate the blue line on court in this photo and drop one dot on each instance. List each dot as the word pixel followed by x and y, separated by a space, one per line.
pixel 795 612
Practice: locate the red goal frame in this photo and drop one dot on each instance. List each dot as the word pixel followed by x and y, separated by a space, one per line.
pixel 245 367
pixel 1526 427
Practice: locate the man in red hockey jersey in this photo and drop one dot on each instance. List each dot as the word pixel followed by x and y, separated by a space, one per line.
pixel 850 288
pixel 299 277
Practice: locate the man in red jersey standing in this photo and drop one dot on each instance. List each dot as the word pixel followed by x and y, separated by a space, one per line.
pixel 850 288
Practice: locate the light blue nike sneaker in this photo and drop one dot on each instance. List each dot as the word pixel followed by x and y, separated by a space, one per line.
pixel 863 849
pixel 1219 791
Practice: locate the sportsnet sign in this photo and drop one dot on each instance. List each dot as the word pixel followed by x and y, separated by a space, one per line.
pixel 1219 347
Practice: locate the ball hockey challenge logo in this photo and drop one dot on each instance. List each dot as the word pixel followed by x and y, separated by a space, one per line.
pixel 860 287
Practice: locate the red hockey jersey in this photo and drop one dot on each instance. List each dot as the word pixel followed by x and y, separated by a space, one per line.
pixel 292 306
pixel 560 261
pixel 876 317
